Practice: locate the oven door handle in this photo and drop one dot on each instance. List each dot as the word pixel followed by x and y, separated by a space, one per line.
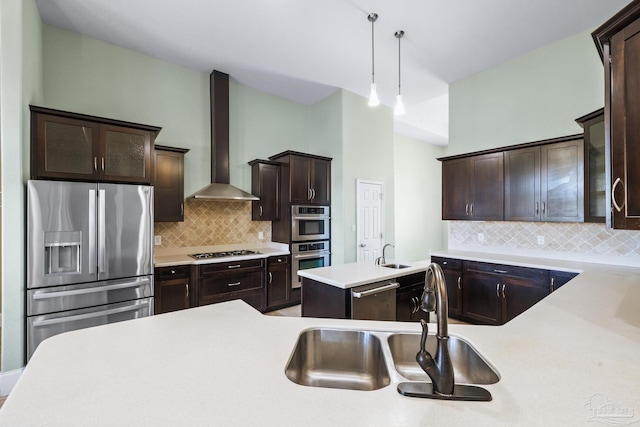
pixel 92 315
pixel 390 286
pixel 311 217
pixel 314 255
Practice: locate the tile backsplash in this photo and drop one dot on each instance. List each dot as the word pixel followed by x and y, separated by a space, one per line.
pixel 209 223
pixel 573 241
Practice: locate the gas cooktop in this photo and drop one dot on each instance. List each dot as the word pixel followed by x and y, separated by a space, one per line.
pixel 208 255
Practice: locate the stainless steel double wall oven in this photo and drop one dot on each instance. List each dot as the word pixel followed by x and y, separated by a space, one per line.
pixel 310 234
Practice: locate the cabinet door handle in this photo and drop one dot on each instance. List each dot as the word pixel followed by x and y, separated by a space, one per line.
pixel 471 208
pixel 503 297
pixel 95 164
pixel 260 210
pixel 613 194
pixel 103 164
pixel 498 290
pixel 459 280
pixel 466 209
pixel 186 288
pixel 234 284
pixel 234 266
pixel 544 208
pixel 181 209
pixel 553 284
pixel 537 208
pixel 270 277
pixel 313 192
pixel 308 194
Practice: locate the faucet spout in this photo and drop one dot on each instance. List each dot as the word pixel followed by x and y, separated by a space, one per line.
pixel 382 259
pixel 434 297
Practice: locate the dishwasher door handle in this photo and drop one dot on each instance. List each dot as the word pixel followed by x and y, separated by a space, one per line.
pixel 384 288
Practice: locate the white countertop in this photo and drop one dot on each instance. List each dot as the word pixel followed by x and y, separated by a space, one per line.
pixel 346 276
pixel 223 364
pixel 168 257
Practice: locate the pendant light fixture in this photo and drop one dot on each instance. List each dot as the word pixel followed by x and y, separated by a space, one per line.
pixel 399 109
pixel 373 96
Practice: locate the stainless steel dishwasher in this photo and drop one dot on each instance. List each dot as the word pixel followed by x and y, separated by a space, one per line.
pixel 374 301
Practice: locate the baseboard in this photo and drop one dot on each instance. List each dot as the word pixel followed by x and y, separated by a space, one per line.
pixel 8 380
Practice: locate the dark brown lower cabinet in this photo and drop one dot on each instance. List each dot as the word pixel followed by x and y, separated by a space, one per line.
pixel 494 294
pixel 218 282
pixel 408 298
pixel 172 288
pixel 278 282
pixel 481 297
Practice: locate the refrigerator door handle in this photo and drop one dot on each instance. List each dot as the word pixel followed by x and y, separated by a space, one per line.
pixel 102 247
pixel 92 232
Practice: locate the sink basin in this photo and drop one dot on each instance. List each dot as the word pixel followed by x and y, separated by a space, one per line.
pixel 395 265
pixel 338 359
pixel 469 367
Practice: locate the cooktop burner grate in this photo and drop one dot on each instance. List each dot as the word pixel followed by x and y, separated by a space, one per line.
pixel 208 255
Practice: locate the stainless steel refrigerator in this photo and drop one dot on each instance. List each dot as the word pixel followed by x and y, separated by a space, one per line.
pixel 89 256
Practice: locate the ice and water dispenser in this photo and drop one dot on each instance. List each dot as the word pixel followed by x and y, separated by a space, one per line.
pixel 62 252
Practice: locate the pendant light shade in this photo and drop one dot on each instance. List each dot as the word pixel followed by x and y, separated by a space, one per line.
pixel 373 96
pixel 399 108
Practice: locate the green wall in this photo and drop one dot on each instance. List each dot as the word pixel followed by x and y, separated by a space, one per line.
pixel 533 97
pixel 93 77
pixel 418 194
pixel 21 85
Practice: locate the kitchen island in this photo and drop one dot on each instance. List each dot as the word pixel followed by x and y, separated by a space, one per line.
pixel 566 361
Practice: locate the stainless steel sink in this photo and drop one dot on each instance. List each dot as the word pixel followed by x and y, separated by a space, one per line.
pixel 395 265
pixel 468 365
pixel 338 359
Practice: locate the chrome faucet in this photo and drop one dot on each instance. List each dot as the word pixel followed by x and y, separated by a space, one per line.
pixel 382 259
pixel 434 298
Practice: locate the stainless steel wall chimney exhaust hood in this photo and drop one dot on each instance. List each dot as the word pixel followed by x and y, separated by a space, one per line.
pixel 220 189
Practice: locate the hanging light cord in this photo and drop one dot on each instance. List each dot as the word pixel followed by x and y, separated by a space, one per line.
pixel 399 35
pixel 372 18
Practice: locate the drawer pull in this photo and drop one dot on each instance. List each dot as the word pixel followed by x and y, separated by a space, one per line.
pixel 234 284
pixel 501 271
pixel 234 266
pixel 173 272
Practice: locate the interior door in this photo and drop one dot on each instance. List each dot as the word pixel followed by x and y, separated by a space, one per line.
pixel 125 230
pixel 370 222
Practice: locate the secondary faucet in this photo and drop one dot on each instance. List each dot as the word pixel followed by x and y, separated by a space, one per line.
pixel 382 259
pixel 434 298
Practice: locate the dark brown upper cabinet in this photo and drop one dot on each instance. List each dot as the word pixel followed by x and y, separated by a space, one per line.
pixel 168 184
pixel 545 183
pixel 308 178
pixel 618 41
pixel 472 187
pixel 73 146
pixel 595 203
pixel 265 183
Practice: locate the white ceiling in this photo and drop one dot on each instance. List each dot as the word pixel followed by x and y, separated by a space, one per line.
pixel 304 50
